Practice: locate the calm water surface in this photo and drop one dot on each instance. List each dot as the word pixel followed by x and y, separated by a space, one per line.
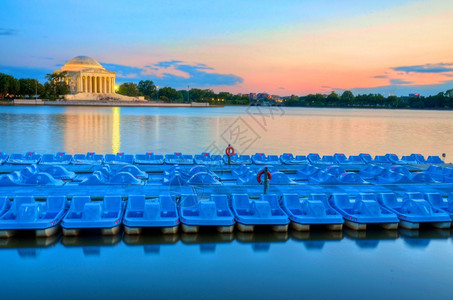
pixel 376 265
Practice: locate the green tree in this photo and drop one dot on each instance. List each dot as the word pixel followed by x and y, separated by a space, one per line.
pixel 8 85
pixel 128 89
pixel 170 94
pixel 196 95
pixel 333 99
pixel 184 95
pixel 392 101
pixel 30 87
pixel 147 89
pixel 347 98
pixel 56 85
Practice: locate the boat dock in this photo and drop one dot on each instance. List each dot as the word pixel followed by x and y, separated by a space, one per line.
pixel 106 193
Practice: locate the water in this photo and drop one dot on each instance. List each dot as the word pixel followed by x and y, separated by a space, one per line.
pixel 192 130
pixel 378 265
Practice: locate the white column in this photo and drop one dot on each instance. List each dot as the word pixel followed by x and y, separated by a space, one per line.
pixel 95 84
pixel 103 84
pixel 84 84
pixel 79 84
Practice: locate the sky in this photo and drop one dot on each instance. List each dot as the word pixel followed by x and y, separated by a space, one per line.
pixel 280 47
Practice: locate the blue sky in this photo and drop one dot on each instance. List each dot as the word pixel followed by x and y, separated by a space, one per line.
pixel 280 47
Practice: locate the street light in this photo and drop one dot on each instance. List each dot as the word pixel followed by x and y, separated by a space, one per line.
pixel 157 89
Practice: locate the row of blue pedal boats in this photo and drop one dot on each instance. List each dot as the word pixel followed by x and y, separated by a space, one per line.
pixel 59 175
pixel 224 212
pixel 205 158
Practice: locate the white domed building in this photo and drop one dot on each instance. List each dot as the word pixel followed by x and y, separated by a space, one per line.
pixel 89 80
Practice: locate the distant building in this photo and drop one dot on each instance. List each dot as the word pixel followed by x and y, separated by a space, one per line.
pixel 253 96
pixel 263 96
pixel 89 80
pixel 415 95
pixel 276 98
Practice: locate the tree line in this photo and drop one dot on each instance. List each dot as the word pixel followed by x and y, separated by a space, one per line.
pixel 443 100
pixel 150 91
pixel 11 88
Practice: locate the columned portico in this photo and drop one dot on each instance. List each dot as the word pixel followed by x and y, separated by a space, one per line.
pixel 85 75
pixel 89 80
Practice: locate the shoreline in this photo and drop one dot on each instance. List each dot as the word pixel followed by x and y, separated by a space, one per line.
pixel 39 102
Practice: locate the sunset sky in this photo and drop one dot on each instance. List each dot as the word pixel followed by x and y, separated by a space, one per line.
pixel 280 47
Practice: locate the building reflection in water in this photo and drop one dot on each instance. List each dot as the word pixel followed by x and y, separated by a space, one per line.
pixel 116 135
pixel 97 130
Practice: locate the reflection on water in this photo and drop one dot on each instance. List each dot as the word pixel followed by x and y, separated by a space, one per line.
pixel 192 130
pixel 116 135
pixel 209 264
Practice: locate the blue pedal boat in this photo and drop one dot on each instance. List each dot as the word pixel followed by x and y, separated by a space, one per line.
pixel 315 159
pixel 136 172
pixel 438 173
pixel 60 158
pixel 434 159
pixel 206 158
pixel 437 201
pixel 381 160
pixel 121 178
pixel 60 172
pixel 178 159
pixel 24 159
pixel 371 172
pixel 43 179
pixel 289 159
pixel 351 178
pixel 419 158
pixel 11 179
pixel 149 158
pixel 213 212
pixel 306 172
pixel 3 157
pixel 159 213
pixel 363 211
pixel 412 209
pixel 265 211
pixel 390 177
pixel 87 214
pixel 236 159
pixel 91 158
pixel 27 214
pixel 262 159
pixel 323 177
pixel 119 159
pixel 5 204
pixel 393 158
pixel 314 210
pixel 366 157
pixel 407 160
pixel 28 171
pixel 340 158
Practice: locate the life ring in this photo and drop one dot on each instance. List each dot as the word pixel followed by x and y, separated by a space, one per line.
pixel 229 151
pixel 258 176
